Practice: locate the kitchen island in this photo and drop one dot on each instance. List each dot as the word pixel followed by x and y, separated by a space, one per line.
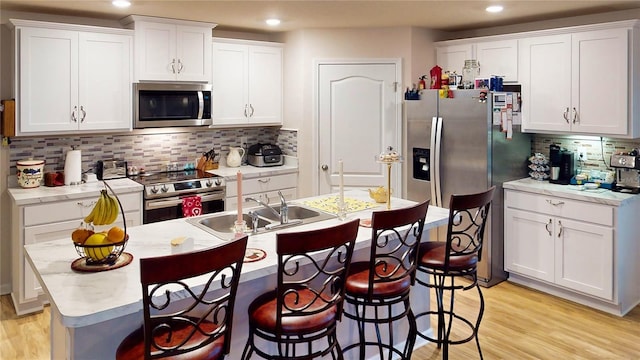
pixel 91 313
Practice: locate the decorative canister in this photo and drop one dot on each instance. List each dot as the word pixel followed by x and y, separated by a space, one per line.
pixel 470 72
pixel 30 172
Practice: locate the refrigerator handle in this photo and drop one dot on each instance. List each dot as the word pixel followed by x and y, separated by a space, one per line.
pixel 434 159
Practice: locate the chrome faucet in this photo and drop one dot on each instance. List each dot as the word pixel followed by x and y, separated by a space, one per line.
pixel 283 215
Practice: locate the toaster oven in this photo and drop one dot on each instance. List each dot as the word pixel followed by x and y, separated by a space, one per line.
pixel 262 155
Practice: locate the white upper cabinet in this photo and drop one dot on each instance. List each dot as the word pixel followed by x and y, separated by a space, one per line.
pixel 451 57
pixel 578 83
pixel 497 57
pixel 247 83
pixel 171 50
pixel 69 80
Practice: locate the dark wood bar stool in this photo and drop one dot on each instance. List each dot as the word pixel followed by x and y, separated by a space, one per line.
pixel 378 289
pixel 299 317
pixel 194 327
pixel 457 257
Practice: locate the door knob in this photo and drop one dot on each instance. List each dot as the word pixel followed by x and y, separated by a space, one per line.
pixel 325 167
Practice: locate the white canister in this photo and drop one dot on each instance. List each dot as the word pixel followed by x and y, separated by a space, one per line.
pixel 73 168
pixel 30 172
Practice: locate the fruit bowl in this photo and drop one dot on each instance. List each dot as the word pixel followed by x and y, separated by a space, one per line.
pixel 101 248
pixel 102 254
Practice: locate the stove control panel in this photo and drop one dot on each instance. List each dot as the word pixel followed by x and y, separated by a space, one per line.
pixel 191 186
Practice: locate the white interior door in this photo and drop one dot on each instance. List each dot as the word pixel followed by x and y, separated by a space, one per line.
pixel 359 116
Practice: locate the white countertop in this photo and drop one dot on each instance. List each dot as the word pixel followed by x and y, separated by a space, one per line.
pixel 45 194
pixel 249 172
pixel 601 196
pixel 84 299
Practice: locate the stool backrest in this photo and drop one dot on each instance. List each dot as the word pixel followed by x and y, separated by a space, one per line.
pixel 307 290
pixel 395 238
pixel 467 222
pixel 170 302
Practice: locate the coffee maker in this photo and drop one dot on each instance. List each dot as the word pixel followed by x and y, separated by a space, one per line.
pixel 563 165
pixel 627 168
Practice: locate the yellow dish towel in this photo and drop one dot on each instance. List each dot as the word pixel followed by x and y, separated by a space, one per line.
pixel 330 204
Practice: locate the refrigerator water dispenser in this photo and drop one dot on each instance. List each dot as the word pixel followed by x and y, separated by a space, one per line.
pixel 421 167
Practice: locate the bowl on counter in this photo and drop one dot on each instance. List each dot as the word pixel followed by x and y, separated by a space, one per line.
pixel 30 173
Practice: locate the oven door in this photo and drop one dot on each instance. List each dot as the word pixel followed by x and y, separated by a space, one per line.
pixel 170 208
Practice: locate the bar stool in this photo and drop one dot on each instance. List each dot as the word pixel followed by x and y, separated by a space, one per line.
pixel 457 257
pixel 195 324
pixel 377 290
pixel 299 317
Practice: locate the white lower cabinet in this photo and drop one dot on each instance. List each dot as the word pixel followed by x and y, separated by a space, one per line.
pixel 572 248
pixel 574 254
pixel 53 221
pixel 264 188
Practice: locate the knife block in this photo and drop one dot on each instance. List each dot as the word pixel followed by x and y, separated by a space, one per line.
pixel 204 164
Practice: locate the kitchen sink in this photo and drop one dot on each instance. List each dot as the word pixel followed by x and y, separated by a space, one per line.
pixel 295 212
pixel 221 225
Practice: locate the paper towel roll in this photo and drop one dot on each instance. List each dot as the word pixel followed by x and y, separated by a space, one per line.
pixel 73 168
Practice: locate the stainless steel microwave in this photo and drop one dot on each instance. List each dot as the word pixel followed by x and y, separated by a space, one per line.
pixel 171 104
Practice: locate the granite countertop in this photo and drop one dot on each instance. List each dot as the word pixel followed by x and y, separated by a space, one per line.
pixel 249 172
pixel 45 194
pixel 600 195
pixel 89 298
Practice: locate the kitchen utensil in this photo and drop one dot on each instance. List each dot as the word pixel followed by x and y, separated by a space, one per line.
pixel 30 173
pixel 73 167
pixel 234 159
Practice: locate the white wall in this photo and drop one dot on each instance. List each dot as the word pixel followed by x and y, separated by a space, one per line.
pixel 306 46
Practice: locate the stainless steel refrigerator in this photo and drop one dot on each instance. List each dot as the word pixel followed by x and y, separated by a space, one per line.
pixel 453 147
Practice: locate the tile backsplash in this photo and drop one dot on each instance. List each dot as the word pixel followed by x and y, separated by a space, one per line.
pixel 151 151
pixel 599 150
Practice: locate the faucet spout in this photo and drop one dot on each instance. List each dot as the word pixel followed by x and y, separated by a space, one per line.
pixel 283 215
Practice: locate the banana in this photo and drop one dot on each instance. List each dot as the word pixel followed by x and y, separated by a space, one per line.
pixel 100 211
pixel 113 209
pixel 92 215
pixel 105 211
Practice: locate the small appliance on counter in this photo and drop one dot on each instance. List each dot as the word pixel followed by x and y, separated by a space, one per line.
pixel 563 165
pixel 627 168
pixel 111 169
pixel 262 155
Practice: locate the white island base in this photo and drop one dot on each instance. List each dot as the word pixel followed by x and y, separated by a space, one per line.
pixel 91 313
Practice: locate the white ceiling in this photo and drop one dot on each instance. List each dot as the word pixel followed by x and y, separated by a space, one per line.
pixel 448 15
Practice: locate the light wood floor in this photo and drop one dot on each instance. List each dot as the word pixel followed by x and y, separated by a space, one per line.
pixel 519 323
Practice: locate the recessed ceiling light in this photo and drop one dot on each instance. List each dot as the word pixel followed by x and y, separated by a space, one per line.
pixel 121 3
pixel 494 8
pixel 273 22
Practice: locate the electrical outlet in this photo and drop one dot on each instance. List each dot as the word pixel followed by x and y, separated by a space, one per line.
pixel 582 154
pixel 243 141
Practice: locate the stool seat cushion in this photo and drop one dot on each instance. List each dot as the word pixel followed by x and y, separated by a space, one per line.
pixel 133 345
pixel 262 313
pixel 358 282
pixel 432 254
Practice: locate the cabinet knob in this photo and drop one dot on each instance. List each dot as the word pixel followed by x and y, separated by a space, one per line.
pixel 325 167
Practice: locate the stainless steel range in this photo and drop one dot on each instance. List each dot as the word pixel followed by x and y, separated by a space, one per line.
pixel 164 193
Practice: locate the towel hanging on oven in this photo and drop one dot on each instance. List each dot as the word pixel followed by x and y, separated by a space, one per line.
pixel 191 206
